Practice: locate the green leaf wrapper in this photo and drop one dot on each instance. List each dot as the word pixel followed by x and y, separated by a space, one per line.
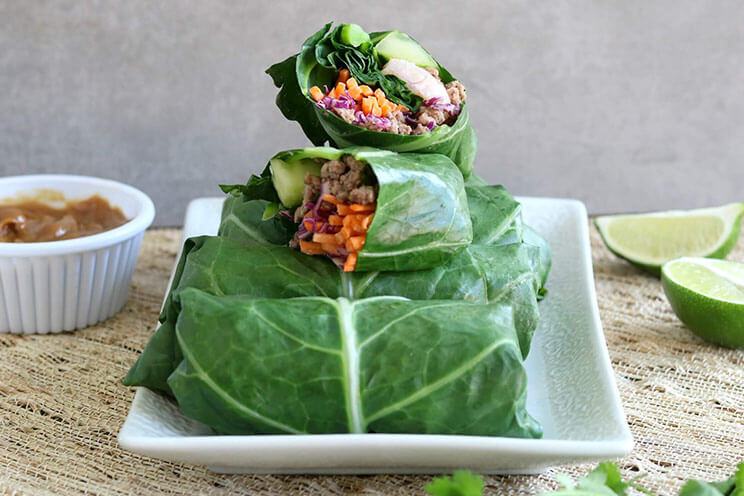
pixel 374 365
pixel 404 234
pixel 317 64
pixel 503 271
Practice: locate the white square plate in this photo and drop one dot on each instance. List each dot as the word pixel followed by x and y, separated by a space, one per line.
pixel 571 390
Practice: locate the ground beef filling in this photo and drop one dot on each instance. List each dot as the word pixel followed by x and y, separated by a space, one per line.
pixel 337 210
pixel 346 179
pixel 430 115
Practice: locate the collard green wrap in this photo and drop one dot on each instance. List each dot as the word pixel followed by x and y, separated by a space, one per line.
pixel 505 271
pixel 364 359
pixel 315 65
pixel 374 365
pixel 422 214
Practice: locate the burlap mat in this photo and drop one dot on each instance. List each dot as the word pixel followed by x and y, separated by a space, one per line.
pixel 62 404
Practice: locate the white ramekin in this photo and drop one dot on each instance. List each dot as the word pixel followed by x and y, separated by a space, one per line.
pixel 70 284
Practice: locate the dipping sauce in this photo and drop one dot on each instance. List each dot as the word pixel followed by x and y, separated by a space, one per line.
pixel 33 221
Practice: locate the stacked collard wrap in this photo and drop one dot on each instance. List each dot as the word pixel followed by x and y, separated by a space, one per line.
pixel 317 64
pixel 483 291
pixel 428 329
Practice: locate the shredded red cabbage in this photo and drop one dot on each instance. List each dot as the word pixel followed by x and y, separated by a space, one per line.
pixel 410 120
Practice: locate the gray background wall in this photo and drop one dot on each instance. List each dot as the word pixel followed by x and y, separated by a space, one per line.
pixel 628 105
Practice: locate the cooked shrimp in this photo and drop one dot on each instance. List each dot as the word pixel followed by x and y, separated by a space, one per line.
pixel 417 79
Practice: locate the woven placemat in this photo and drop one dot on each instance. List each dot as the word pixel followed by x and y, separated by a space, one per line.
pixel 62 403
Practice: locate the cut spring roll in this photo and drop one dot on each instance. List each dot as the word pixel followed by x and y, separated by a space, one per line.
pixel 364 208
pixel 347 87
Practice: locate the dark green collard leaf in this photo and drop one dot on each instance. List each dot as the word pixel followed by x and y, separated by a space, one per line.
pixel 291 100
pixel 411 235
pixel 161 355
pixel 475 180
pixel 495 214
pixel 497 219
pixel 458 142
pixel 482 274
pixel 293 104
pixel 244 221
pixel 374 365
pixel 545 260
pixel 221 267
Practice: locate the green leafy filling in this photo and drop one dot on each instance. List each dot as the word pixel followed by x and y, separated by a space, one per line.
pixel 338 50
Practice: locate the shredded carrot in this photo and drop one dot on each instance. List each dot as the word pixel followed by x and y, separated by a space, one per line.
pixel 367 221
pixel 380 95
pixel 368 104
pixel 310 248
pixel 316 93
pixel 358 207
pixel 365 99
pixel 343 209
pixel 340 89
pixel 324 238
pixel 350 263
pixel 355 93
pixel 331 248
pixel 354 223
pixel 355 243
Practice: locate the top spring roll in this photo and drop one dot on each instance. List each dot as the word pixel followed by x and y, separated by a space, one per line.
pixel 366 209
pixel 383 89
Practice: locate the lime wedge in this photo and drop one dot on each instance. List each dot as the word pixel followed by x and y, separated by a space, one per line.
pixel 650 240
pixel 708 296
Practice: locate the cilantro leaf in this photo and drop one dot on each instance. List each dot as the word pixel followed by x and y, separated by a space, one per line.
pixel 605 480
pixel 462 483
pixel 731 487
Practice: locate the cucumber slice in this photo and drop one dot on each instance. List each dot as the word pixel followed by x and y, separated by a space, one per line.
pixel 397 45
pixel 289 178
pixel 354 35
